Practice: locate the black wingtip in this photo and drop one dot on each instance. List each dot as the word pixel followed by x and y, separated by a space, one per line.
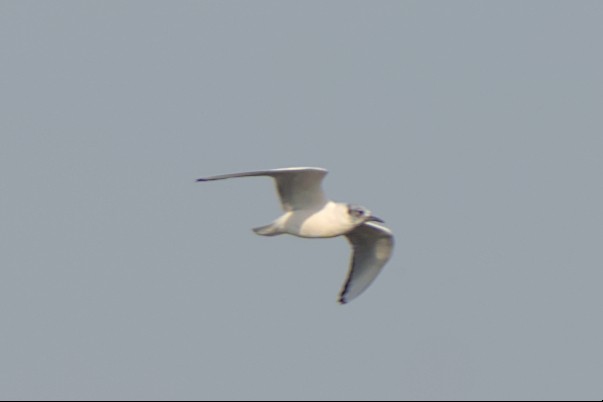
pixel 200 180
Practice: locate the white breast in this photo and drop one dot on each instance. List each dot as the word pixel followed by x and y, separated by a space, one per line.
pixel 330 221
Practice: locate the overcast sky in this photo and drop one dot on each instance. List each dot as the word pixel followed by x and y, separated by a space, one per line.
pixel 475 129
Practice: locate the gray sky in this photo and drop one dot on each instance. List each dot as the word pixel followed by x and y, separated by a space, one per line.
pixel 473 128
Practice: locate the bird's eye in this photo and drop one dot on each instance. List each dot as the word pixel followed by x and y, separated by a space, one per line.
pixel 358 212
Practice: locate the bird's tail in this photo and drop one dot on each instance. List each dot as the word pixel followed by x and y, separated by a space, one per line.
pixel 268 230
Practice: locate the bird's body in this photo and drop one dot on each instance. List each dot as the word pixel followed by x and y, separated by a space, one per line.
pixel 328 221
pixel 308 213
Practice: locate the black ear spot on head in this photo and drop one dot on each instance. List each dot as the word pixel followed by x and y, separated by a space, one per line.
pixel 355 211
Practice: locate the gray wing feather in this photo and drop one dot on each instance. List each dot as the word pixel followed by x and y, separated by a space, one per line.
pixel 372 246
pixel 298 188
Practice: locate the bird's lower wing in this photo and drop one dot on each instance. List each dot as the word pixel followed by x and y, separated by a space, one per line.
pixel 372 246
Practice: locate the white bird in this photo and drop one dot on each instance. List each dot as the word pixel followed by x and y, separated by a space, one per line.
pixel 309 214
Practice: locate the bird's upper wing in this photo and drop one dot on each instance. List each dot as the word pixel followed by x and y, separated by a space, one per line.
pixel 372 245
pixel 298 188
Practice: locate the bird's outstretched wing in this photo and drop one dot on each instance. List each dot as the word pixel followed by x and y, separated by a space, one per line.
pixel 298 188
pixel 372 245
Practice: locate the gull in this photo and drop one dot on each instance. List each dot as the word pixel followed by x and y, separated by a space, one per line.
pixel 309 214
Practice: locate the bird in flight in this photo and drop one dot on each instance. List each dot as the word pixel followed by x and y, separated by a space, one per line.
pixel 308 213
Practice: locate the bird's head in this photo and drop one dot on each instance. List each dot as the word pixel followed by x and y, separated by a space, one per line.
pixel 359 214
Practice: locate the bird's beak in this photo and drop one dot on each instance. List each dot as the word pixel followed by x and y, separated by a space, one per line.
pixel 375 219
